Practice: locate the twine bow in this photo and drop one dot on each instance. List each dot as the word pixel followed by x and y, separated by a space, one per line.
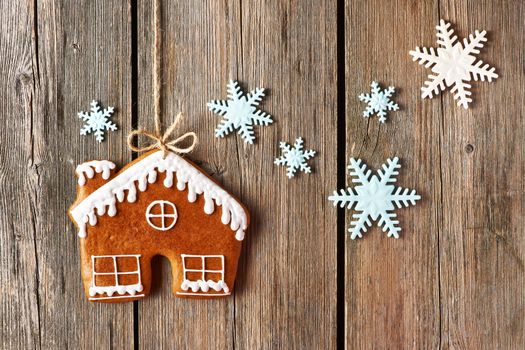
pixel 163 141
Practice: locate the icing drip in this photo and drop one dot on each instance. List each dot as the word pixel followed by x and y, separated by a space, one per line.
pixel 90 168
pixel 208 205
pixel 145 171
pixel 168 181
pixel 204 286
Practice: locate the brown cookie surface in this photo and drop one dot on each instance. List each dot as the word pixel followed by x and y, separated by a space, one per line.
pixel 156 206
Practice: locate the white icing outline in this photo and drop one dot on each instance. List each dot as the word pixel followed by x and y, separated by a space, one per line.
pixel 205 294
pixel 119 297
pixel 131 289
pixel 202 284
pixel 90 168
pixel 162 215
pixel 104 199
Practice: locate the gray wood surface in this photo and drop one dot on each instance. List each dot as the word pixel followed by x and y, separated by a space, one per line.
pixel 192 55
pixel 288 281
pixel 56 58
pixel 392 286
pixel 482 245
pixel 453 280
pixel 457 279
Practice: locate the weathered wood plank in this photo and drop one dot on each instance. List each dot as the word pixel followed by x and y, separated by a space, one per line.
pixel 392 287
pixel 19 316
pixel 462 246
pixel 287 287
pixel 97 45
pixel 198 52
pixel 60 56
pixel 483 161
pixel 202 51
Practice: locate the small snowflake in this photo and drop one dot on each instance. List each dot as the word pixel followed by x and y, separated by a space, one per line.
pixel 453 64
pixel 97 121
pixel 294 158
pixel 240 112
pixel 374 198
pixel 379 102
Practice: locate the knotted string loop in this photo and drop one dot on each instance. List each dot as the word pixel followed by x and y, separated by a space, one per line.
pixel 164 142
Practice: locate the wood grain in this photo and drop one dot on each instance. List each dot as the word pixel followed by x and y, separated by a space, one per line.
pixel 453 280
pixel 20 317
pixel 392 294
pixel 59 57
pixel 289 278
pixel 209 44
pixel 196 56
pixel 482 248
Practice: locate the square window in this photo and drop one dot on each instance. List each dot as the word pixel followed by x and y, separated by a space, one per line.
pixel 214 263
pixel 195 267
pixel 115 270
pixel 104 280
pixel 194 263
pixel 104 265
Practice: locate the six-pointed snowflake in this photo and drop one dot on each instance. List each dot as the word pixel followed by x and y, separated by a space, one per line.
pixel 379 102
pixel 240 112
pixel 374 197
pixel 453 64
pixel 294 158
pixel 97 121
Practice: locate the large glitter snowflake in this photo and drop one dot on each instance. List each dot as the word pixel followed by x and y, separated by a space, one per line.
pixel 453 64
pixel 97 121
pixel 240 112
pixel 294 158
pixel 379 102
pixel 374 198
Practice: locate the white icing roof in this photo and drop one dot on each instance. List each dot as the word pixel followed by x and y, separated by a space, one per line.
pixel 124 186
pixel 88 169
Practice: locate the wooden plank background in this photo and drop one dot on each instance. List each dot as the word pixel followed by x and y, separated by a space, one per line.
pixel 456 277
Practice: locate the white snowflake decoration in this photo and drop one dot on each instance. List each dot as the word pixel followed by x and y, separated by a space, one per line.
pixel 294 158
pixel 453 64
pixel 97 121
pixel 374 198
pixel 379 102
pixel 240 112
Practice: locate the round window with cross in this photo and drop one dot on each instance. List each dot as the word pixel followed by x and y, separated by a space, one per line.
pixel 161 215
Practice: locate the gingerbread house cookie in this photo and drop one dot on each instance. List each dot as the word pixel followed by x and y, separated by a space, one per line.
pixel 156 206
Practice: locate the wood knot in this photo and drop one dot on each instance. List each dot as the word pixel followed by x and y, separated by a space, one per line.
pixel 469 148
pixel 24 88
pixel 22 81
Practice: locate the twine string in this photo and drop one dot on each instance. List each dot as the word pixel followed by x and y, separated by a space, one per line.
pixel 156 65
pixel 160 141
